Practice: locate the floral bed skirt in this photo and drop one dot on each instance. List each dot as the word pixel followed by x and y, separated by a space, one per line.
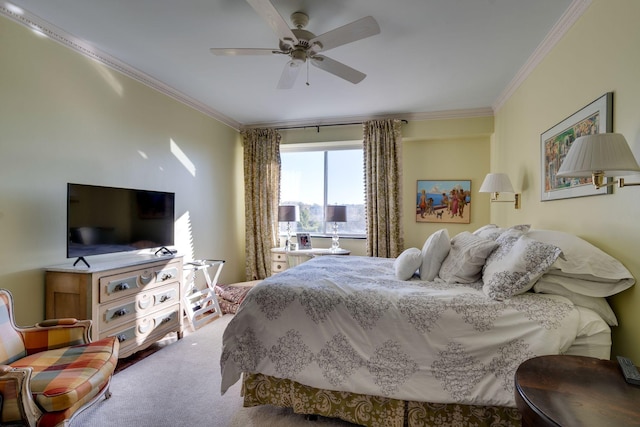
pixel 370 411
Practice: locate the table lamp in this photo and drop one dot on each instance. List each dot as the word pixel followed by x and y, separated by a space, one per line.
pixel 335 214
pixel 288 213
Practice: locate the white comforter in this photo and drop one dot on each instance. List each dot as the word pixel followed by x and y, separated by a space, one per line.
pixel 347 324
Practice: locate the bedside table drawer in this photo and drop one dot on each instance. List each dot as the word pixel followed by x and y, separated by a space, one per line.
pixel 278 266
pixel 278 257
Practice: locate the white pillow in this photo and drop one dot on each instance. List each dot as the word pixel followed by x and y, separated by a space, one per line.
pixel 407 263
pixel 514 267
pixel 583 268
pixel 597 304
pixel 435 250
pixel 466 258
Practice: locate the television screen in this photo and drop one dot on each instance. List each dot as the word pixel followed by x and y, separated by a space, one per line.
pixel 103 220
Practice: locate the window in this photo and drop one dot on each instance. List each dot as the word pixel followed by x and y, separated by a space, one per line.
pixel 316 175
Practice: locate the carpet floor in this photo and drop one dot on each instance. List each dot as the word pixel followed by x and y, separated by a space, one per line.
pixel 179 385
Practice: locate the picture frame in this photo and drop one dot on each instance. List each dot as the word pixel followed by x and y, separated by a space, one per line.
pixel 304 241
pixel 435 201
pixel 597 117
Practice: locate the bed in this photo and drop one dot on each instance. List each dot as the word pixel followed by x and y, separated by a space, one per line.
pixel 430 338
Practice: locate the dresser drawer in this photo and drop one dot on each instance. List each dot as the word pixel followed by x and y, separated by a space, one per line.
pixel 122 311
pixel 135 333
pixel 131 282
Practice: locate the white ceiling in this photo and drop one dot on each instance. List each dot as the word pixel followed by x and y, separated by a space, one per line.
pixel 432 56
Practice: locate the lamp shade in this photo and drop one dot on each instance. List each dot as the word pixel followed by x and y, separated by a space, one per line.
pixel 605 152
pixel 336 213
pixel 287 213
pixel 496 183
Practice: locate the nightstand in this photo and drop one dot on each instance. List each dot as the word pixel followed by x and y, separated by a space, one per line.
pixel 575 391
pixel 280 261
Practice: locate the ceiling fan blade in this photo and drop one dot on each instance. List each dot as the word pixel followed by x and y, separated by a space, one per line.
pixel 338 68
pixel 268 12
pixel 357 30
pixel 289 75
pixel 241 51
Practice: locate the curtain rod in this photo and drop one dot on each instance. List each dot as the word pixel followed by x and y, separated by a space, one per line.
pixel 321 126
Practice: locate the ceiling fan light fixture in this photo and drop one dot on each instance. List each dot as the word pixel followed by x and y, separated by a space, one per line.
pixel 299 56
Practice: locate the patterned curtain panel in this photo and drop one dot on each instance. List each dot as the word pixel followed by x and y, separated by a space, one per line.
pixel 382 170
pixel 261 193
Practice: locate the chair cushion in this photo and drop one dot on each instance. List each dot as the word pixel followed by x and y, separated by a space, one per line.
pixel 64 376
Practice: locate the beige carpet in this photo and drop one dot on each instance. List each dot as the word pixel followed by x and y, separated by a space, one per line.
pixel 179 385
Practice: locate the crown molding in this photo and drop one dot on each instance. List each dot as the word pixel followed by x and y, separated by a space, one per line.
pixel 566 21
pixel 45 28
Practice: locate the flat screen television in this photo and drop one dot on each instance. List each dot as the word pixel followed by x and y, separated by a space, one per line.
pixel 102 220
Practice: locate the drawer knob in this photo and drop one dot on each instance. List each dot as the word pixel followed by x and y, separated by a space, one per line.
pixel 165 297
pixel 122 338
pixel 166 276
pixel 121 287
pixel 120 313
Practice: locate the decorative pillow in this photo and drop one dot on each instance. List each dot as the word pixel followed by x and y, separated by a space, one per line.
pixel 407 263
pixel 584 268
pixel 492 231
pixel 466 258
pixel 434 251
pixel 514 267
pixel 597 304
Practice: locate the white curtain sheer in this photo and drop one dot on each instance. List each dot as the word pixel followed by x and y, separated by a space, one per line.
pixel 382 144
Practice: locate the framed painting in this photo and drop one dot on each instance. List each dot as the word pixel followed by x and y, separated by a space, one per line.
pixel 443 201
pixel 596 117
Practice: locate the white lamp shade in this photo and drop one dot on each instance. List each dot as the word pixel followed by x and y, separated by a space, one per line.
pixel 496 183
pixel 606 152
pixel 336 213
pixel 287 213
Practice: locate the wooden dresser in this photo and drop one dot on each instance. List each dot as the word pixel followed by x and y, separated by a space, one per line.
pixel 137 299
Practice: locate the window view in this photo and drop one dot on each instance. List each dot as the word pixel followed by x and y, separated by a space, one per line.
pixel 314 179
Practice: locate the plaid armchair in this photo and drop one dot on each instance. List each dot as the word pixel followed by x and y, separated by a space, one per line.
pixel 51 371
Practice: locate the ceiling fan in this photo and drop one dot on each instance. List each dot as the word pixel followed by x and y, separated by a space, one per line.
pixel 301 45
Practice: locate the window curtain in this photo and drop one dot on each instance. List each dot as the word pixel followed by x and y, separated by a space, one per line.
pixel 261 194
pixel 382 146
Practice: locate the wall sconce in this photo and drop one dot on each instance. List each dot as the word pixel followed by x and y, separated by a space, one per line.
pixel 598 156
pixel 288 213
pixel 497 183
pixel 335 214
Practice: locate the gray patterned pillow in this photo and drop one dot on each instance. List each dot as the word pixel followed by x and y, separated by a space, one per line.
pixel 514 267
pixel 466 258
pixel 492 231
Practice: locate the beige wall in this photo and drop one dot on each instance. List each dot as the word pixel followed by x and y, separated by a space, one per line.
pixel 431 149
pixel 601 53
pixel 66 118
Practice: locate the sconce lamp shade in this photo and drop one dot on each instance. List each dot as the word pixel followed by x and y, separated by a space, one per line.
pixel 287 213
pixel 608 153
pixel 496 183
pixel 336 213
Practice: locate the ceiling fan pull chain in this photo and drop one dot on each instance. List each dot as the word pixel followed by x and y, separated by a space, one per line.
pixel 308 73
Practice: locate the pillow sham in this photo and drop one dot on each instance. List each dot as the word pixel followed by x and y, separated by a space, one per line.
pixel 597 304
pixel 514 267
pixel 407 263
pixel 466 258
pixel 492 231
pixel 435 250
pixel 584 268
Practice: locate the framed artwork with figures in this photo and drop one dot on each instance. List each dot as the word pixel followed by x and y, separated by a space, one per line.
pixel 444 201
pixel 304 241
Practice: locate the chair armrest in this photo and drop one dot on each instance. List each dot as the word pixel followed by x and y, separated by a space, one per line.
pixel 18 405
pixel 55 333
